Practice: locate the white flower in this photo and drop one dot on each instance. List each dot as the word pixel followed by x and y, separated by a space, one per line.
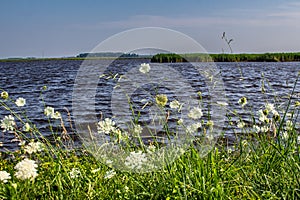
pixel 241 124
pixel 106 126
pixel 298 139
pixel 26 169
pixel 96 170
pixel 74 173
pixel 137 130
pixel 56 115
pixel 26 127
pixel 270 107
pixel 195 113
pixel 135 160
pixel 192 129
pixel 145 68
pixel 20 102
pixel 175 104
pixel 109 174
pixel 289 125
pixel 256 129
pixel 49 111
pixel 34 147
pixel 262 116
pixel 264 129
pixel 285 135
pixel 4 176
pixel 8 123
pixel 180 122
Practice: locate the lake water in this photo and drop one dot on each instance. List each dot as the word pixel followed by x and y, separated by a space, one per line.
pixel 26 79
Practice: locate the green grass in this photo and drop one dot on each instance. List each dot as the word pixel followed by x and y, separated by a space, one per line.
pixel 225 57
pixel 258 166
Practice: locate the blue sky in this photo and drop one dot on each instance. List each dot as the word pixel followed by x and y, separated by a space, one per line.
pixel 59 28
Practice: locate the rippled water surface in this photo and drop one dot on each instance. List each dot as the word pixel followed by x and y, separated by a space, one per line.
pixel 25 79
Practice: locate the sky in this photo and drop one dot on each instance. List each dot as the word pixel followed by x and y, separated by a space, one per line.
pixel 59 28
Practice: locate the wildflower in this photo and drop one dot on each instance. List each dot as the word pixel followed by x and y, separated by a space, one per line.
pixel 56 115
pixel 8 123
pixel 262 116
pixel 74 173
pixel 26 169
pixel 137 130
pixel 297 104
pixel 285 135
pixel 145 68
pixel 1 144
pixel 191 129
pixel 4 95
pixel 241 124
pixel 243 101
pixel 270 107
pixel 289 125
pixel 276 116
pixel 210 124
pixel 180 122
pixel 26 127
pixel 195 113
pixel 264 129
pixel 96 170
pixel 135 160
pixel 106 126
pixel 298 139
pixel 4 176
pixel 161 100
pixel 34 147
pixel 175 104
pixel 256 129
pixel 49 111
pixel 109 174
pixel 20 102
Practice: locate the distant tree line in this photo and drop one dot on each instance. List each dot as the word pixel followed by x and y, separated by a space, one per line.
pixel 199 57
pixel 108 54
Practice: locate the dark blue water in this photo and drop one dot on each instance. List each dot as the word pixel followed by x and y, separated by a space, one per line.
pixel 26 79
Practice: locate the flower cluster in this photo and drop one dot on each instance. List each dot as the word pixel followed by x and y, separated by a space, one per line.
pixel 106 126
pixel 4 176
pixel 49 112
pixel 136 160
pixel 8 123
pixel 26 169
pixel 195 113
pixel 34 147
pixel 74 173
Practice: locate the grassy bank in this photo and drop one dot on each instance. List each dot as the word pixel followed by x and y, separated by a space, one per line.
pixel 263 163
pixel 196 57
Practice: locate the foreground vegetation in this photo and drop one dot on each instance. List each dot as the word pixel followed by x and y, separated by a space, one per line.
pixel 263 164
pixel 196 57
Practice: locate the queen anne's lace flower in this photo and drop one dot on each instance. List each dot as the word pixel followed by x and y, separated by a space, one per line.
pixel 106 126
pixel 8 123
pixel 26 169
pixel 195 113
pixel 34 147
pixel 74 173
pixel 136 160
pixel 4 176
